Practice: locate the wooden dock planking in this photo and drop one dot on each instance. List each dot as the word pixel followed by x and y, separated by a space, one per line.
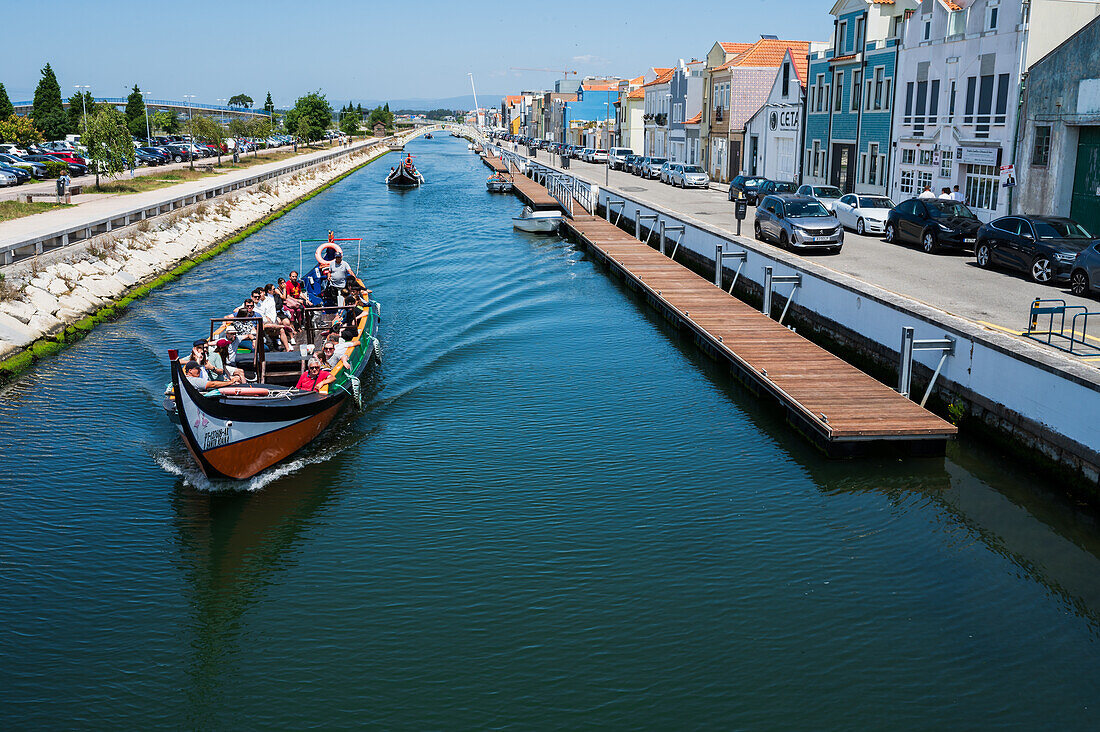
pixel 808 380
pixel 532 193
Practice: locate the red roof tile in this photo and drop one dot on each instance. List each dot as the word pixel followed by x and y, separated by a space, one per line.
pixel 695 120
pixel 768 52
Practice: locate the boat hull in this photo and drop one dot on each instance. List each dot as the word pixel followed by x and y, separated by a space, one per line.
pixel 536 226
pixel 401 178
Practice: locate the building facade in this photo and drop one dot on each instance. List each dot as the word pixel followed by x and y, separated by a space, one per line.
pixel 655 114
pixel 773 136
pixel 714 119
pixel 1058 160
pixel 850 97
pixel 685 90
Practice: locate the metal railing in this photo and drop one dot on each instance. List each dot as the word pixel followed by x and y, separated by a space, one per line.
pixel 1076 341
pixel 909 344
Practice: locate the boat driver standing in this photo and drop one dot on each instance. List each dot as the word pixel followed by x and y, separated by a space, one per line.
pixel 339 272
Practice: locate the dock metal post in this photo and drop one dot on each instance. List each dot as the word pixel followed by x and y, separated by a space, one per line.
pixel 720 256
pixel 718 265
pixel 661 228
pixel 767 307
pixel 905 367
pixel 638 224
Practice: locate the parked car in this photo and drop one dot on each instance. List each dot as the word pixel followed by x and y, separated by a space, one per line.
pixel 627 165
pixel 182 152
pixel 8 179
pixel 797 222
pixel 828 195
pixel 22 175
pixel 747 186
pixel 771 187
pixel 616 157
pixel 666 171
pixel 932 223
pixel 598 156
pixel 75 169
pixel 1045 248
pixel 157 155
pixel 38 170
pixel 690 176
pixel 11 149
pixel 1084 278
pixel 865 214
pixel 586 154
pixel 68 157
pixel 636 164
pixel 652 167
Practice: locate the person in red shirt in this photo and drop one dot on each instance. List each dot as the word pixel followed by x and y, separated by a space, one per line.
pixel 314 377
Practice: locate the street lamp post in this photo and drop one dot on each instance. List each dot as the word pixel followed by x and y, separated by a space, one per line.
pixel 148 129
pixel 607 131
pixel 84 104
pixel 190 151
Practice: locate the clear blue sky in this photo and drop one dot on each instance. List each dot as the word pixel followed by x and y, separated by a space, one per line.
pixel 381 50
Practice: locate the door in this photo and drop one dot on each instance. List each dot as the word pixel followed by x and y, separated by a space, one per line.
pixel 1085 206
pixel 1005 243
pixel 843 167
pixel 754 150
pixel 845 212
pixel 734 158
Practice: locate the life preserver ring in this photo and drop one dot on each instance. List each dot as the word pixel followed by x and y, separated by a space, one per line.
pixel 243 391
pixel 319 254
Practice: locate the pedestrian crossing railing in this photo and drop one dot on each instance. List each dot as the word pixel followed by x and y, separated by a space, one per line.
pixel 1076 340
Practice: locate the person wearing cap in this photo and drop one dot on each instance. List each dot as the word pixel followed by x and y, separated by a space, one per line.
pixel 200 382
pixel 198 356
pixel 314 376
pixel 339 272
pixel 218 364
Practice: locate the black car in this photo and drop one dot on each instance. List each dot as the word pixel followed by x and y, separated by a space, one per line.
pixel 1043 247
pixel 747 186
pixel 932 223
pixel 181 153
pixel 149 157
pixel 20 174
pixel 771 187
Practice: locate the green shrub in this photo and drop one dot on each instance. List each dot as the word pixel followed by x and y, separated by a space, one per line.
pixel 55 169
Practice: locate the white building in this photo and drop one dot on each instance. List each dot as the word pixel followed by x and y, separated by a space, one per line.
pixel 958 87
pixel 773 136
pixel 655 114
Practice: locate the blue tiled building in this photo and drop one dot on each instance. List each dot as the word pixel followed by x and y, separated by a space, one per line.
pixel 850 97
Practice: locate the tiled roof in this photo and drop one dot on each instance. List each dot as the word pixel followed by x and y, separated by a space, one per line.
pixel 513 99
pixel 882 2
pixel 638 93
pixel 849 57
pixel 695 120
pixel 663 77
pixel 661 70
pixel 768 52
pixel 950 5
pixel 734 47
pixel 600 86
pixel 638 80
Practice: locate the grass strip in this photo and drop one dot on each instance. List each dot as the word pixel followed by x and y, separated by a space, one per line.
pixel 42 348
pixel 17 209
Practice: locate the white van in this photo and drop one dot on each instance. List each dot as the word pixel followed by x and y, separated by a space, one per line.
pixel 616 157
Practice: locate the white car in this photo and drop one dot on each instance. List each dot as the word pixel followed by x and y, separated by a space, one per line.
pixel 8 179
pixel 865 214
pixel 616 157
pixel 9 149
pixel 598 156
pixel 689 176
pixel 827 196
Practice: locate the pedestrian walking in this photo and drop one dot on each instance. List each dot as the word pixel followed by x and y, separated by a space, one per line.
pixel 958 196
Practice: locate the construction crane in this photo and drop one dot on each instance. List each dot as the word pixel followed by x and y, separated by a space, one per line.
pixel 564 72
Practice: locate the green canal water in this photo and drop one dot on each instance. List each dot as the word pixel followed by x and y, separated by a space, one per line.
pixel 552 512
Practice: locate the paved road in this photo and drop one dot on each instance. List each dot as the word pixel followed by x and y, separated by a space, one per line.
pixel 951 282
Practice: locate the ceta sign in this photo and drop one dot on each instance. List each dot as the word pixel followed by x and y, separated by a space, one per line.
pixel 785 120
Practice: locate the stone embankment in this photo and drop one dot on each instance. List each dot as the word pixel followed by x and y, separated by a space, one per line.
pixel 41 297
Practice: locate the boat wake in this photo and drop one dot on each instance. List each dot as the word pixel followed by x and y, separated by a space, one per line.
pixel 194 477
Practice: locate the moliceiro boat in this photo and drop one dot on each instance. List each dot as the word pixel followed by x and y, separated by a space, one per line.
pixel 237 430
pixel 404 175
pixel 537 222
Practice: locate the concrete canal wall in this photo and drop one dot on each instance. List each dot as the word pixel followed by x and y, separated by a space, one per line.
pixel 1035 401
pixel 45 295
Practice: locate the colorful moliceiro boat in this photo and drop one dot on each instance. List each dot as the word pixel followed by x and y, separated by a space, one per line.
pixel 404 175
pixel 237 431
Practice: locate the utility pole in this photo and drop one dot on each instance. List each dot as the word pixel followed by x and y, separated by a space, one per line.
pixel 148 129
pixel 84 103
pixel 190 150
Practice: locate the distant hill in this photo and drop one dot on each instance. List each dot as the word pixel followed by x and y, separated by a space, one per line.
pixel 425 103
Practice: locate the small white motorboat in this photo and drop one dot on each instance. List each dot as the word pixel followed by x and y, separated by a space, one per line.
pixel 498 183
pixel 537 222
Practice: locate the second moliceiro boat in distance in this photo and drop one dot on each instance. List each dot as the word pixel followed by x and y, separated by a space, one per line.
pixel 404 175
pixel 537 222
pixel 237 430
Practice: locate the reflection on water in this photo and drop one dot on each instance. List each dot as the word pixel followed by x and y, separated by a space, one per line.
pixel 553 511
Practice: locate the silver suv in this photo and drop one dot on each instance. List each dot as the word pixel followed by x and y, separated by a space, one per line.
pixel 798 222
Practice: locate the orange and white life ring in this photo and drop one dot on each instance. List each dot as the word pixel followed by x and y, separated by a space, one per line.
pixel 319 254
pixel 243 391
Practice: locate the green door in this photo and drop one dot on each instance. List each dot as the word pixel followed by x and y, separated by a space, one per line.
pixel 1085 208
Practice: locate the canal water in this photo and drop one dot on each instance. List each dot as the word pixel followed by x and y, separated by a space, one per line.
pixel 552 512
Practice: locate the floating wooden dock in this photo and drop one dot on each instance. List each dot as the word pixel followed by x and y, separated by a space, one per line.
pixel 532 193
pixel 842 409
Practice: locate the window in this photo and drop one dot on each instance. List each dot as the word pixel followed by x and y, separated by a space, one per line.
pixel 947 160
pixel 991 13
pixel 842 38
pixel 838 86
pixel 786 79
pixel 827 95
pixel 881 87
pixel 933 101
pixel 971 86
pixel 820 86
pixel 908 104
pixel 924 179
pixel 927 157
pixel 951 103
pixel 857 77
pixel 895 29
pixel 906 185
pixel 927 29
pixel 1002 99
pixel 956 23
pixel 982 182
pixel 872 177
pixel 817 157
pixel 859 35
pixel 1040 154
pixel 908 155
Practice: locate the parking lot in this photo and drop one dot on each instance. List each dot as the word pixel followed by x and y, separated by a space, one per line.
pixel 949 281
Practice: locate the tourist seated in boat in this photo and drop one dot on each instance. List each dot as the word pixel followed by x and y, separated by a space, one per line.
pixel 203 383
pixel 265 308
pixel 219 365
pixel 283 317
pixel 314 377
pixel 293 295
pixel 349 318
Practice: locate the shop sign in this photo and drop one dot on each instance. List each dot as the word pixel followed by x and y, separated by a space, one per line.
pixel 978 155
pixel 784 120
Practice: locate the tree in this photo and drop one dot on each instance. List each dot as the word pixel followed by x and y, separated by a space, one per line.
pixel 349 123
pixel 239 128
pixel 315 111
pixel 20 130
pixel 135 112
pixel 6 109
pixel 240 100
pixel 47 111
pixel 166 120
pixel 77 104
pixel 260 128
pixel 110 148
pixel 207 129
pixel 269 106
